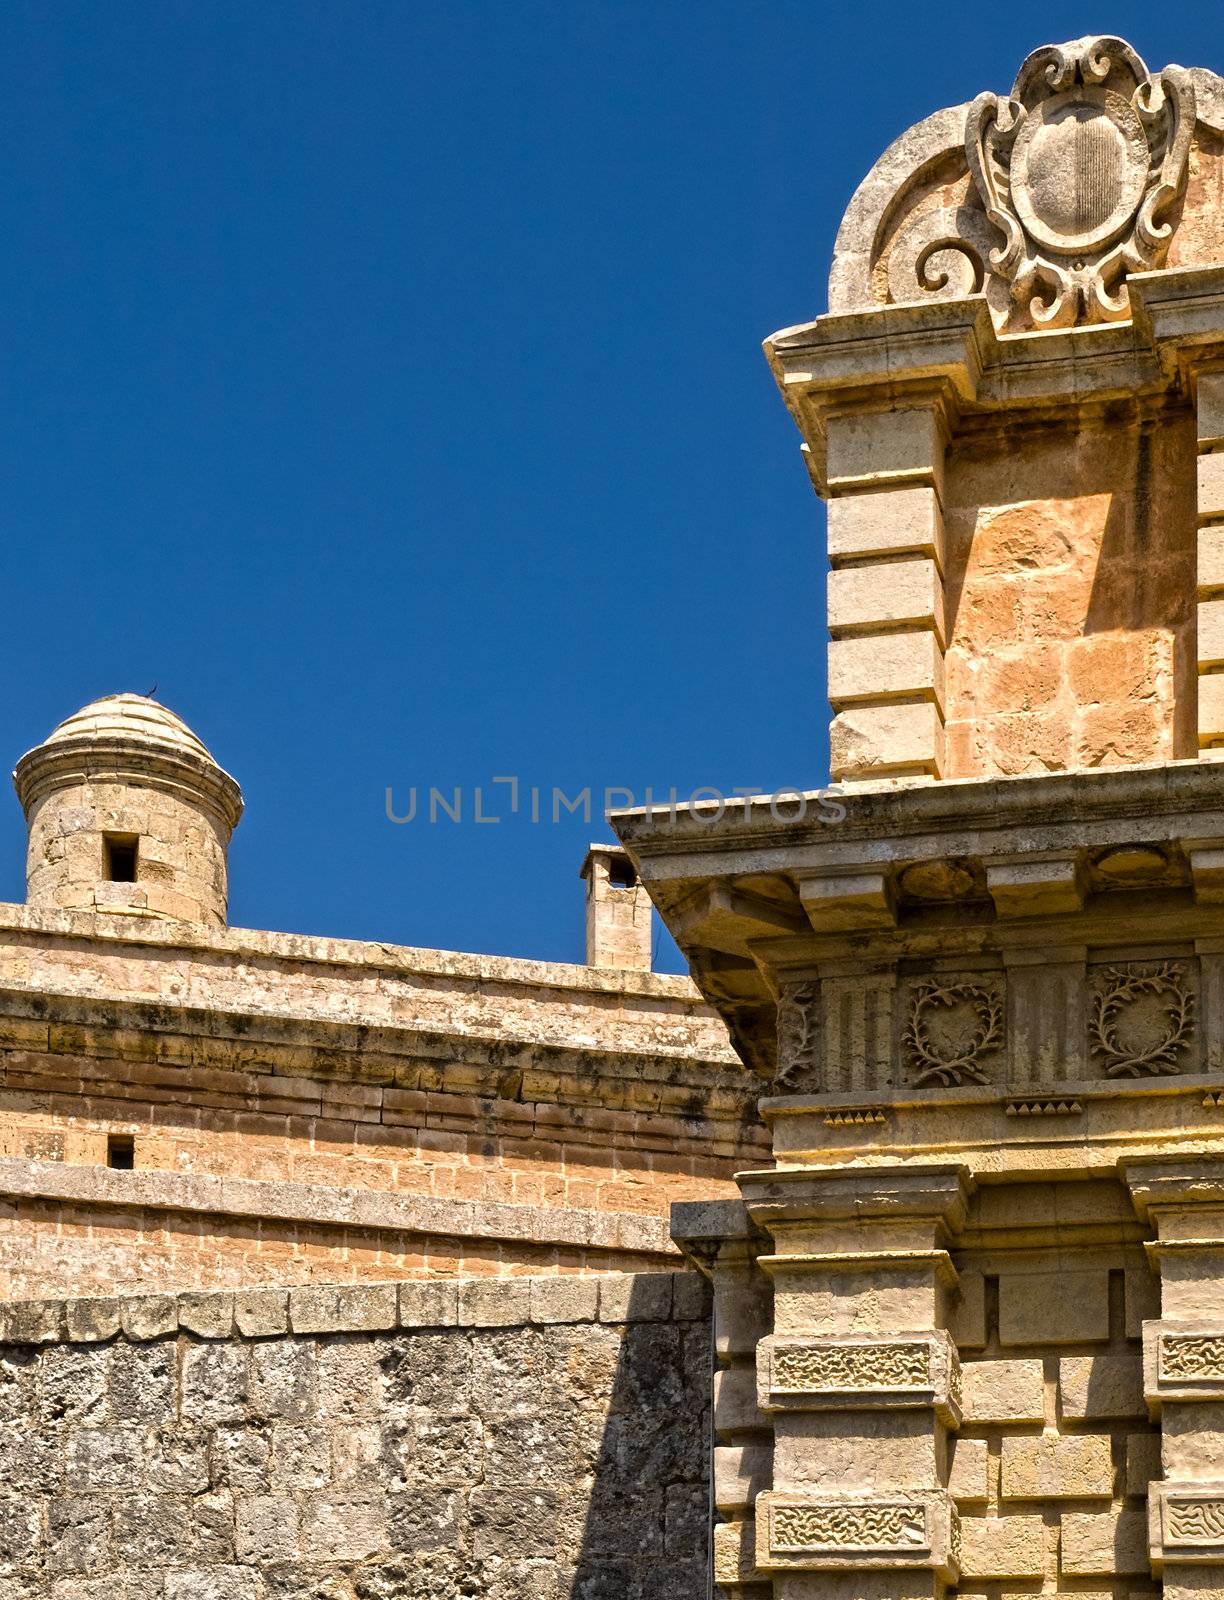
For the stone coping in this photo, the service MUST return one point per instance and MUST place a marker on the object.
(1163, 795)
(320, 1205)
(418, 961)
(456, 1303)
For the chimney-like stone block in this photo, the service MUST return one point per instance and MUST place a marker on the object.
(619, 920)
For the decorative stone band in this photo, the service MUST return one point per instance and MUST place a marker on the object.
(846, 1373)
(841, 1533)
(1182, 1362)
(1186, 1523)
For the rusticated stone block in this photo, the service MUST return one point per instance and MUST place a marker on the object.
(260, 1313)
(428, 1304)
(564, 1299)
(1002, 1547)
(209, 1316)
(1101, 1386)
(494, 1303)
(885, 667)
(1209, 408)
(1211, 630)
(886, 522)
(1104, 1543)
(880, 738)
(968, 1476)
(89, 1321)
(1003, 1391)
(149, 1316)
(1069, 1307)
(845, 1373)
(31, 1322)
(741, 1472)
(1211, 486)
(735, 1401)
(1210, 561)
(846, 1533)
(1211, 705)
(735, 1552)
(889, 594)
(1142, 1461)
(635, 1297)
(360, 1308)
(967, 1314)
(1074, 1468)
(874, 447)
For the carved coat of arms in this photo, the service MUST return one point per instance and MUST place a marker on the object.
(1078, 170)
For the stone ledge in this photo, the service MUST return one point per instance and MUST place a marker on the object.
(457, 1303)
(320, 1205)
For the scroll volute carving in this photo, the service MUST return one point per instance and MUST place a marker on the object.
(1078, 170)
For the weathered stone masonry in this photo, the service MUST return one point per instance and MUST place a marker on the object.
(508, 1441)
(968, 1324)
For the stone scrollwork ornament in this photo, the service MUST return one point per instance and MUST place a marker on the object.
(1078, 170)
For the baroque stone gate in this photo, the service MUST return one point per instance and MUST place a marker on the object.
(970, 1323)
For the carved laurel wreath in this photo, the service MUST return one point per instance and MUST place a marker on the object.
(960, 1064)
(1120, 988)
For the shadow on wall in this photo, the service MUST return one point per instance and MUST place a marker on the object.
(555, 1459)
(521, 1439)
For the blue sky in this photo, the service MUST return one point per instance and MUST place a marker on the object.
(383, 382)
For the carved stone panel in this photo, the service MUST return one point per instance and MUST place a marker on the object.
(1182, 1363)
(798, 1039)
(863, 1531)
(860, 1374)
(1141, 1019)
(1078, 170)
(953, 1030)
(1187, 1524)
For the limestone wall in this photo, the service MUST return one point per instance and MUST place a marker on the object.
(1070, 594)
(314, 1110)
(493, 1441)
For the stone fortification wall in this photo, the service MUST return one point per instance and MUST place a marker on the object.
(501, 1440)
(298, 1110)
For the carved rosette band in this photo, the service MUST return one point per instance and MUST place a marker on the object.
(859, 1374)
(868, 1531)
(1078, 170)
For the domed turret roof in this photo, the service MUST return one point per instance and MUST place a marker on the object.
(132, 739)
(131, 716)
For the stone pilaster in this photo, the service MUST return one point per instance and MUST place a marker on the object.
(721, 1240)
(1184, 1369)
(886, 601)
(1210, 417)
(860, 1378)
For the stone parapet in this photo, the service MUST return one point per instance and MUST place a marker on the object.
(359, 1308)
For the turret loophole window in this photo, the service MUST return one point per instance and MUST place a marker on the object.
(119, 857)
(621, 874)
(121, 1152)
